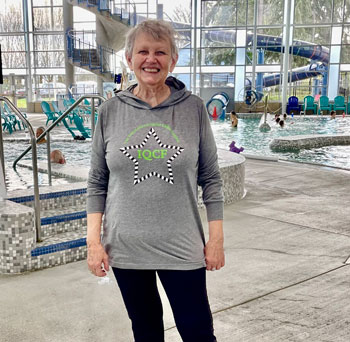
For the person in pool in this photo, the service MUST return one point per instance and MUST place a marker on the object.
(234, 119)
(56, 156)
(333, 114)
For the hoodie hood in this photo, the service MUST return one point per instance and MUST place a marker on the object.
(178, 93)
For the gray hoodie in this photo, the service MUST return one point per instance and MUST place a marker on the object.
(145, 166)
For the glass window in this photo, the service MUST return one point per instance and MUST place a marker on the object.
(346, 35)
(13, 60)
(217, 80)
(242, 7)
(345, 54)
(180, 13)
(11, 17)
(311, 12)
(338, 11)
(219, 13)
(41, 2)
(316, 35)
(44, 42)
(218, 56)
(218, 38)
(12, 43)
(270, 12)
(42, 19)
(58, 18)
(49, 59)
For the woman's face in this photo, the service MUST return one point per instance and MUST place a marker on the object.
(151, 60)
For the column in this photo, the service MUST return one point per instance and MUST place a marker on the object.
(68, 25)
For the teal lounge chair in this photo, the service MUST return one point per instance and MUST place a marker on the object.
(85, 132)
(71, 129)
(13, 117)
(51, 115)
(324, 104)
(309, 105)
(339, 104)
(5, 121)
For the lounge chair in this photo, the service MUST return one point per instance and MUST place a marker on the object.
(13, 117)
(339, 104)
(324, 104)
(293, 105)
(51, 115)
(6, 121)
(309, 105)
(85, 132)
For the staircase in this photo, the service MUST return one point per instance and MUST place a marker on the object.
(63, 225)
(95, 58)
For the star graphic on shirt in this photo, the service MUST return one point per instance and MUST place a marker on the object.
(138, 179)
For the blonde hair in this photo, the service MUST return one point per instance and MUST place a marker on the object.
(158, 29)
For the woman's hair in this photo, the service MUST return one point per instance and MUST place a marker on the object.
(233, 113)
(278, 120)
(281, 122)
(158, 29)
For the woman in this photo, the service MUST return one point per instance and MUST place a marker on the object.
(153, 144)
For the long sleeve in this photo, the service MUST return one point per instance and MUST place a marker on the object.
(97, 184)
(208, 170)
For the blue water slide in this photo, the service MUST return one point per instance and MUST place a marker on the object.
(317, 53)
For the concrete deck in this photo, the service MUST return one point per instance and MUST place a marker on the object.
(286, 277)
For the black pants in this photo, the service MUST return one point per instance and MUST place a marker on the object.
(187, 294)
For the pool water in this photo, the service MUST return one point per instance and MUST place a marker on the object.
(76, 153)
(248, 135)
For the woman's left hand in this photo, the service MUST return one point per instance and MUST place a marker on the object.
(214, 255)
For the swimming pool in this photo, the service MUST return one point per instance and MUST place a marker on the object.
(247, 134)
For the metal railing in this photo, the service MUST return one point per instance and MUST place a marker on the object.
(33, 141)
(47, 134)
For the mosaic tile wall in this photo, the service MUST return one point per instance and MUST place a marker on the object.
(17, 237)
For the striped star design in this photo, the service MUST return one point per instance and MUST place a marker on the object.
(137, 179)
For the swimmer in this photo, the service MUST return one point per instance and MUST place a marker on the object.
(281, 122)
(333, 114)
(234, 119)
(56, 156)
(40, 130)
(278, 120)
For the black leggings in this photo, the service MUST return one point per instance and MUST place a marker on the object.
(187, 294)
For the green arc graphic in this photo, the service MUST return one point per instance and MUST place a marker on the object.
(152, 125)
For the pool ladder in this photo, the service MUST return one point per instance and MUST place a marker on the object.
(33, 147)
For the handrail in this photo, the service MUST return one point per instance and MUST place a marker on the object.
(35, 165)
(64, 115)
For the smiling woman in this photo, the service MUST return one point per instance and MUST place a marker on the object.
(153, 144)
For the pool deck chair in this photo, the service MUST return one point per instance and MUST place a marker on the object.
(309, 105)
(324, 104)
(71, 129)
(13, 117)
(339, 104)
(51, 116)
(84, 131)
(293, 105)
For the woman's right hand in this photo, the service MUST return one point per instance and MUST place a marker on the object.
(97, 259)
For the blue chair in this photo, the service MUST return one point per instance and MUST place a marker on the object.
(293, 105)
